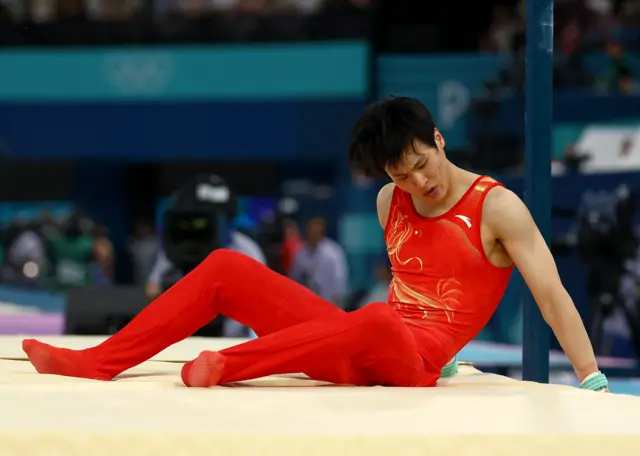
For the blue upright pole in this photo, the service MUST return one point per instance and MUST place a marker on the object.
(538, 150)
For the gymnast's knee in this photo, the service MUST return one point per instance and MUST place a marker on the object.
(381, 321)
(222, 262)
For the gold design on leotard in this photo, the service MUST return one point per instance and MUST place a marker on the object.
(399, 233)
(448, 291)
(484, 184)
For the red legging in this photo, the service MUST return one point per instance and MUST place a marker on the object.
(299, 331)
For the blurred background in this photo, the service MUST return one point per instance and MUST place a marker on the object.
(110, 107)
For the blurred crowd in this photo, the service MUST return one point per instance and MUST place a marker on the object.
(123, 10)
(596, 43)
(55, 253)
(580, 27)
(46, 252)
(54, 22)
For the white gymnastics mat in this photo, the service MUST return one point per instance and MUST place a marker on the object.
(147, 411)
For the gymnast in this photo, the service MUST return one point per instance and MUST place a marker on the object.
(453, 239)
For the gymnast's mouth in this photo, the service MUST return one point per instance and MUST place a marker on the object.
(432, 191)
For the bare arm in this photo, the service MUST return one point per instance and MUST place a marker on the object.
(512, 224)
(383, 203)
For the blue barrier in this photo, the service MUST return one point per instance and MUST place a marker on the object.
(448, 84)
(283, 102)
(576, 107)
(151, 131)
(291, 71)
(251, 102)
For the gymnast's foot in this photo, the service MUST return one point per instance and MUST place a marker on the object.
(59, 361)
(204, 371)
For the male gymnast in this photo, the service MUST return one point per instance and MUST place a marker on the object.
(452, 237)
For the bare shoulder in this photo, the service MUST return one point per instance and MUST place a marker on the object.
(503, 211)
(383, 203)
(500, 199)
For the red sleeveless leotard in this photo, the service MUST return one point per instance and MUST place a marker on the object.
(443, 285)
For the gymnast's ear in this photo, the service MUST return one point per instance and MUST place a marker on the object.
(439, 139)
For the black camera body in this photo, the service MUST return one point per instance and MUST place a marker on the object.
(198, 221)
(606, 226)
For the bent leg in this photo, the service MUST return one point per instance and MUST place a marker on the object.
(371, 346)
(225, 282)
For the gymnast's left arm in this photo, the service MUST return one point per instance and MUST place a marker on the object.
(513, 226)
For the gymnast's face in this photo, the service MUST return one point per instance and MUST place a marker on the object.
(421, 171)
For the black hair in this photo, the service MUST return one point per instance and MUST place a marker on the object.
(386, 130)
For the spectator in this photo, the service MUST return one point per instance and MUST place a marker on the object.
(379, 292)
(626, 83)
(73, 253)
(24, 259)
(113, 9)
(502, 31)
(321, 264)
(291, 245)
(144, 249)
(103, 256)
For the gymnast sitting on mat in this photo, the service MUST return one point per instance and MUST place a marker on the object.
(453, 238)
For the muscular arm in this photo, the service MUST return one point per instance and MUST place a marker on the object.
(512, 224)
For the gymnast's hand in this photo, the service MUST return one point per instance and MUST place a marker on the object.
(596, 382)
